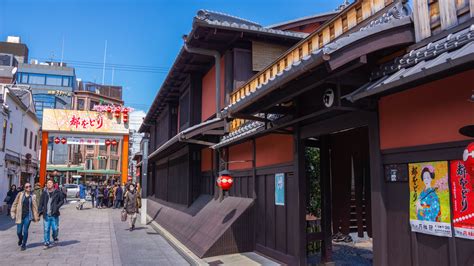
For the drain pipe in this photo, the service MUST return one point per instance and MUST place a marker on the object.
(217, 59)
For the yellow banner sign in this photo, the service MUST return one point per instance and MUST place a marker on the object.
(70, 121)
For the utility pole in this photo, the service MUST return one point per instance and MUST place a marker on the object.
(103, 68)
(144, 179)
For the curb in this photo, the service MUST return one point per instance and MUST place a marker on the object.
(187, 254)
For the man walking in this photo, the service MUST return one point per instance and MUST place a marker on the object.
(51, 201)
(24, 210)
(82, 196)
(132, 205)
(118, 196)
(93, 194)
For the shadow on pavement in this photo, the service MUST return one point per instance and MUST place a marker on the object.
(61, 243)
(6, 222)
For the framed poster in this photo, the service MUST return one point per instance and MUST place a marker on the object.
(463, 201)
(280, 189)
(430, 211)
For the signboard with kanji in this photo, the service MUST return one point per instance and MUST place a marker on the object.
(463, 201)
(58, 120)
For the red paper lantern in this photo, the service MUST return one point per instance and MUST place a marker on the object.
(125, 117)
(63, 140)
(468, 159)
(107, 142)
(57, 140)
(114, 142)
(225, 181)
(125, 110)
(117, 112)
(108, 109)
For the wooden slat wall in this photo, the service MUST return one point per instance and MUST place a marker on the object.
(353, 15)
(433, 16)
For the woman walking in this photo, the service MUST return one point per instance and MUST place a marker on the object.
(24, 210)
(11, 196)
(131, 205)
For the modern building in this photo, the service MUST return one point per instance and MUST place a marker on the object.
(8, 68)
(136, 120)
(19, 141)
(383, 95)
(14, 46)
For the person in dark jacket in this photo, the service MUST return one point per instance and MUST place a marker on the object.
(93, 193)
(11, 196)
(132, 205)
(51, 200)
(118, 196)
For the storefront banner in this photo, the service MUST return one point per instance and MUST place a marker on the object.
(429, 198)
(280, 189)
(73, 121)
(463, 201)
(86, 141)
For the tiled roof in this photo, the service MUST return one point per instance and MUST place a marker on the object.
(457, 48)
(228, 21)
(302, 19)
(395, 17)
(245, 130)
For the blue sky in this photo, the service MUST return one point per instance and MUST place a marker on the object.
(140, 32)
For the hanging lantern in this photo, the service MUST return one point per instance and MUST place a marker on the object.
(117, 112)
(57, 140)
(108, 109)
(107, 142)
(125, 118)
(63, 140)
(468, 159)
(225, 181)
(113, 142)
(125, 110)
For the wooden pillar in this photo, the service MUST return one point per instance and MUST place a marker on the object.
(300, 173)
(43, 158)
(378, 194)
(125, 159)
(326, 208)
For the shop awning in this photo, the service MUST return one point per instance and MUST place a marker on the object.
(194, 134)
(103, 172)
(64, 168)
(452, 54)
(12, 158)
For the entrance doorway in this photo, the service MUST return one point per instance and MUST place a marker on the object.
(339, 203)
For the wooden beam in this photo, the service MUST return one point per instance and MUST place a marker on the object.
(250, 117)
(326, 208)
(216, 132)
(200, 142)
(448, 14)
(421, 16)
(125, 159)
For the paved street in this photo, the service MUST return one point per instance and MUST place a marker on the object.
(88, 237)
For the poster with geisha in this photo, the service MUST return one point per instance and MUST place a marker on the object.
(463, 201)
(429, 198)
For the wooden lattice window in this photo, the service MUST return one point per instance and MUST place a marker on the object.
(286, 62)
(310, 46)
(435, 22)
(300, 52)
(359, 13)
(345, 25)
(462, 7)
(320, 40)
(332, 33)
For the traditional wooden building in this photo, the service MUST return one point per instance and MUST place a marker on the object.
(375, 87)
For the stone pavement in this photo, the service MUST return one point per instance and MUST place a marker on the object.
(88, 237)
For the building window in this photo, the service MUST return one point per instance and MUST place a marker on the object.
(89, 164)
(31, 140)
(90, 147)
(66, 81)
(36, 141)
(23, 78)
(80, 104)
(102, 164)
(25, 137)
(4, 137)
(11, 128)
(310, 47)
(300, 52)
(359, 13)
(320, 40)
(36, 79)
(93, 103)
(114, 148)
(54, 80)
(102, 148)
(332, 32)
(113, 164)
(345, 26)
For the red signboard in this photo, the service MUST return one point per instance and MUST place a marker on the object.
(463, 201)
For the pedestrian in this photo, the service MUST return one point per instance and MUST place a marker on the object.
(82, 196)
(132, 205)
(111, 196)
(118, 196)
(100, 196)
(51, 200)
(38, 191)
(24, 210)
(106, 196)
(93, 194)
(10, 198)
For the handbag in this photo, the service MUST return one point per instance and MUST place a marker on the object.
(7, 199)
(124, 216)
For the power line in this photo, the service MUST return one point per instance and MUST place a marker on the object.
(91, 63)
